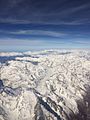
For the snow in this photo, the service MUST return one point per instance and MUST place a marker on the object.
(34, 79)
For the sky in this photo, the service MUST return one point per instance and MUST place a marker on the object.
(44, 24)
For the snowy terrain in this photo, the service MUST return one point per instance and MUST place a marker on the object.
(44, 85)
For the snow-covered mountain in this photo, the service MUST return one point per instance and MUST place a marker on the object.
(45, 85)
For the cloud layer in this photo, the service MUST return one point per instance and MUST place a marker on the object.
(66, 12)
(44, 23)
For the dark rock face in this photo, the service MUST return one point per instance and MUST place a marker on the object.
(39, 115)
(83, 107)
(47, 107)
(1, 86)
(12, 91)
(8, 90)
(1, 83)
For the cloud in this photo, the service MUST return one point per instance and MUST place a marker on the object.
(35, 32)
(85, 42)
(76, 21)
(14, 21)
(72, 10)
(62, 12)
(20, 42)
(11, 44)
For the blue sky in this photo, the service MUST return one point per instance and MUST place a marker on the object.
(44, 24)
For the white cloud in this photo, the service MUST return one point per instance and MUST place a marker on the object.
(82, 42)
(17, 42)
(36, 32)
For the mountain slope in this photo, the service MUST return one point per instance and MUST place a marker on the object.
(45, 85)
